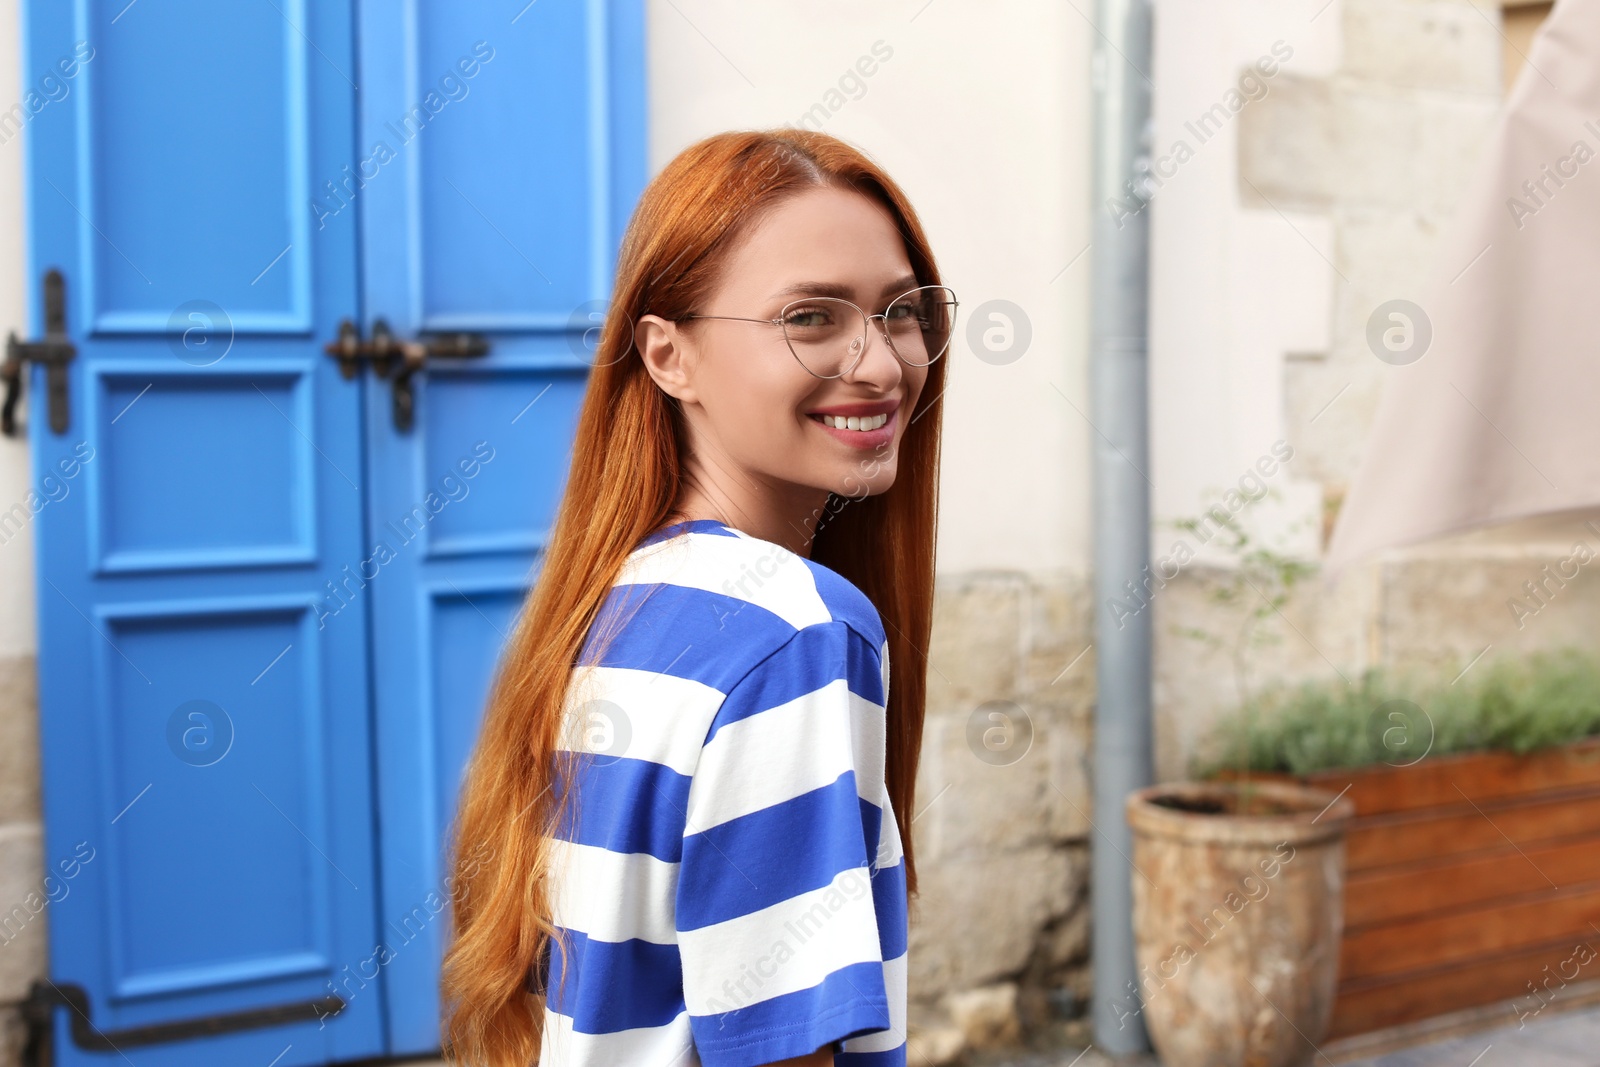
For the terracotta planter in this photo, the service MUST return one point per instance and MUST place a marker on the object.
(1473, 879)
(1237, 915)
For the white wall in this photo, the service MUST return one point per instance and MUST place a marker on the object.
(981, 113)
(1233, 288)
(16, 555)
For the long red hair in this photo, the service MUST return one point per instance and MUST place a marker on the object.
(623, 484)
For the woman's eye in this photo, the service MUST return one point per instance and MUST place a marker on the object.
(807, 317)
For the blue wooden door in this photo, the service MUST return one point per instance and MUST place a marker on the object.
(206, 731)
(511, 136)
(268, 613)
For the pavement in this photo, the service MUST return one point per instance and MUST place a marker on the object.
(1566, 1039)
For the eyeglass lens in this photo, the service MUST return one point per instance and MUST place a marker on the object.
(827, 335)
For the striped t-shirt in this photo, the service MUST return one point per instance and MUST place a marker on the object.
(733, 892)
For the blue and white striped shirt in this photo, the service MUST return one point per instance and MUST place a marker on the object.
(733, 891)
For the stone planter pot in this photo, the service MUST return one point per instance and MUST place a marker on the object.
(1237, 916)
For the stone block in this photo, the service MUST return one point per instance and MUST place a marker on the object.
(1057, 637)
(13, 1036)
(1404, 150)
(1068, 941)
(1446, 610)
(1327, 410)
(935, 1048)
(1373, 158)
(23, 908)
(971, 806)
(1193, 680)
(1287, 141)
(1069, 744)
(975, 650)
(1197, 683)
(1387, 254)
(19, 739)
(987, 1017)
(1429, 44)
(979, 916)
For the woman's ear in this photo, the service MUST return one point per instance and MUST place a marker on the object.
(668, 355)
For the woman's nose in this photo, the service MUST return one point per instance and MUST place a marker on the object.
(878, 361)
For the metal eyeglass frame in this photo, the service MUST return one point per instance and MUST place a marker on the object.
(882, 329)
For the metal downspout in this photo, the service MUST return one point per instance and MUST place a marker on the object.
(1118, 351)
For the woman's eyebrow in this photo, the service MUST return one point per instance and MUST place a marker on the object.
(844, 292)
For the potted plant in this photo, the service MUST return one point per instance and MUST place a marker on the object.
(1474, 852)
(1237, 918)
(1237, 891)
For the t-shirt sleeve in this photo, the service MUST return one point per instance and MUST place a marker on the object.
(777, 929)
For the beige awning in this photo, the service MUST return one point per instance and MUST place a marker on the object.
(1499, 418)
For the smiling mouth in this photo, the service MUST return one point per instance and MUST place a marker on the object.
(853, 422)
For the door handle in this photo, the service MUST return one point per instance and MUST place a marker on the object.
(400, 360)
(55, 351)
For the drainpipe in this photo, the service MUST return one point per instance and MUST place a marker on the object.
(1118, 351)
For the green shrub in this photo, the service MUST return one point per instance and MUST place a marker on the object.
(1398, 717)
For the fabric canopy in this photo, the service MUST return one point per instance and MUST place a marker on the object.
(1496, 416)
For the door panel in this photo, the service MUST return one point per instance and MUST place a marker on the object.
(513, 135)
(198, 206)
(250, 469)
(493, 250)
(204, 726)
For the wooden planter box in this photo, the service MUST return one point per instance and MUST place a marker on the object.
(1468, 876)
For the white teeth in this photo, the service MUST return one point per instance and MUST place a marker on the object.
(853, 422)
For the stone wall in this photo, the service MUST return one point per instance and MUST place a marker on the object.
(1451, 607)
(22, 895)
(1004, 799)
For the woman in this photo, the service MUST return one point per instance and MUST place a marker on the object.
(725, 647)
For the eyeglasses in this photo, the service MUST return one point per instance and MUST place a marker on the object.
(828, 334)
